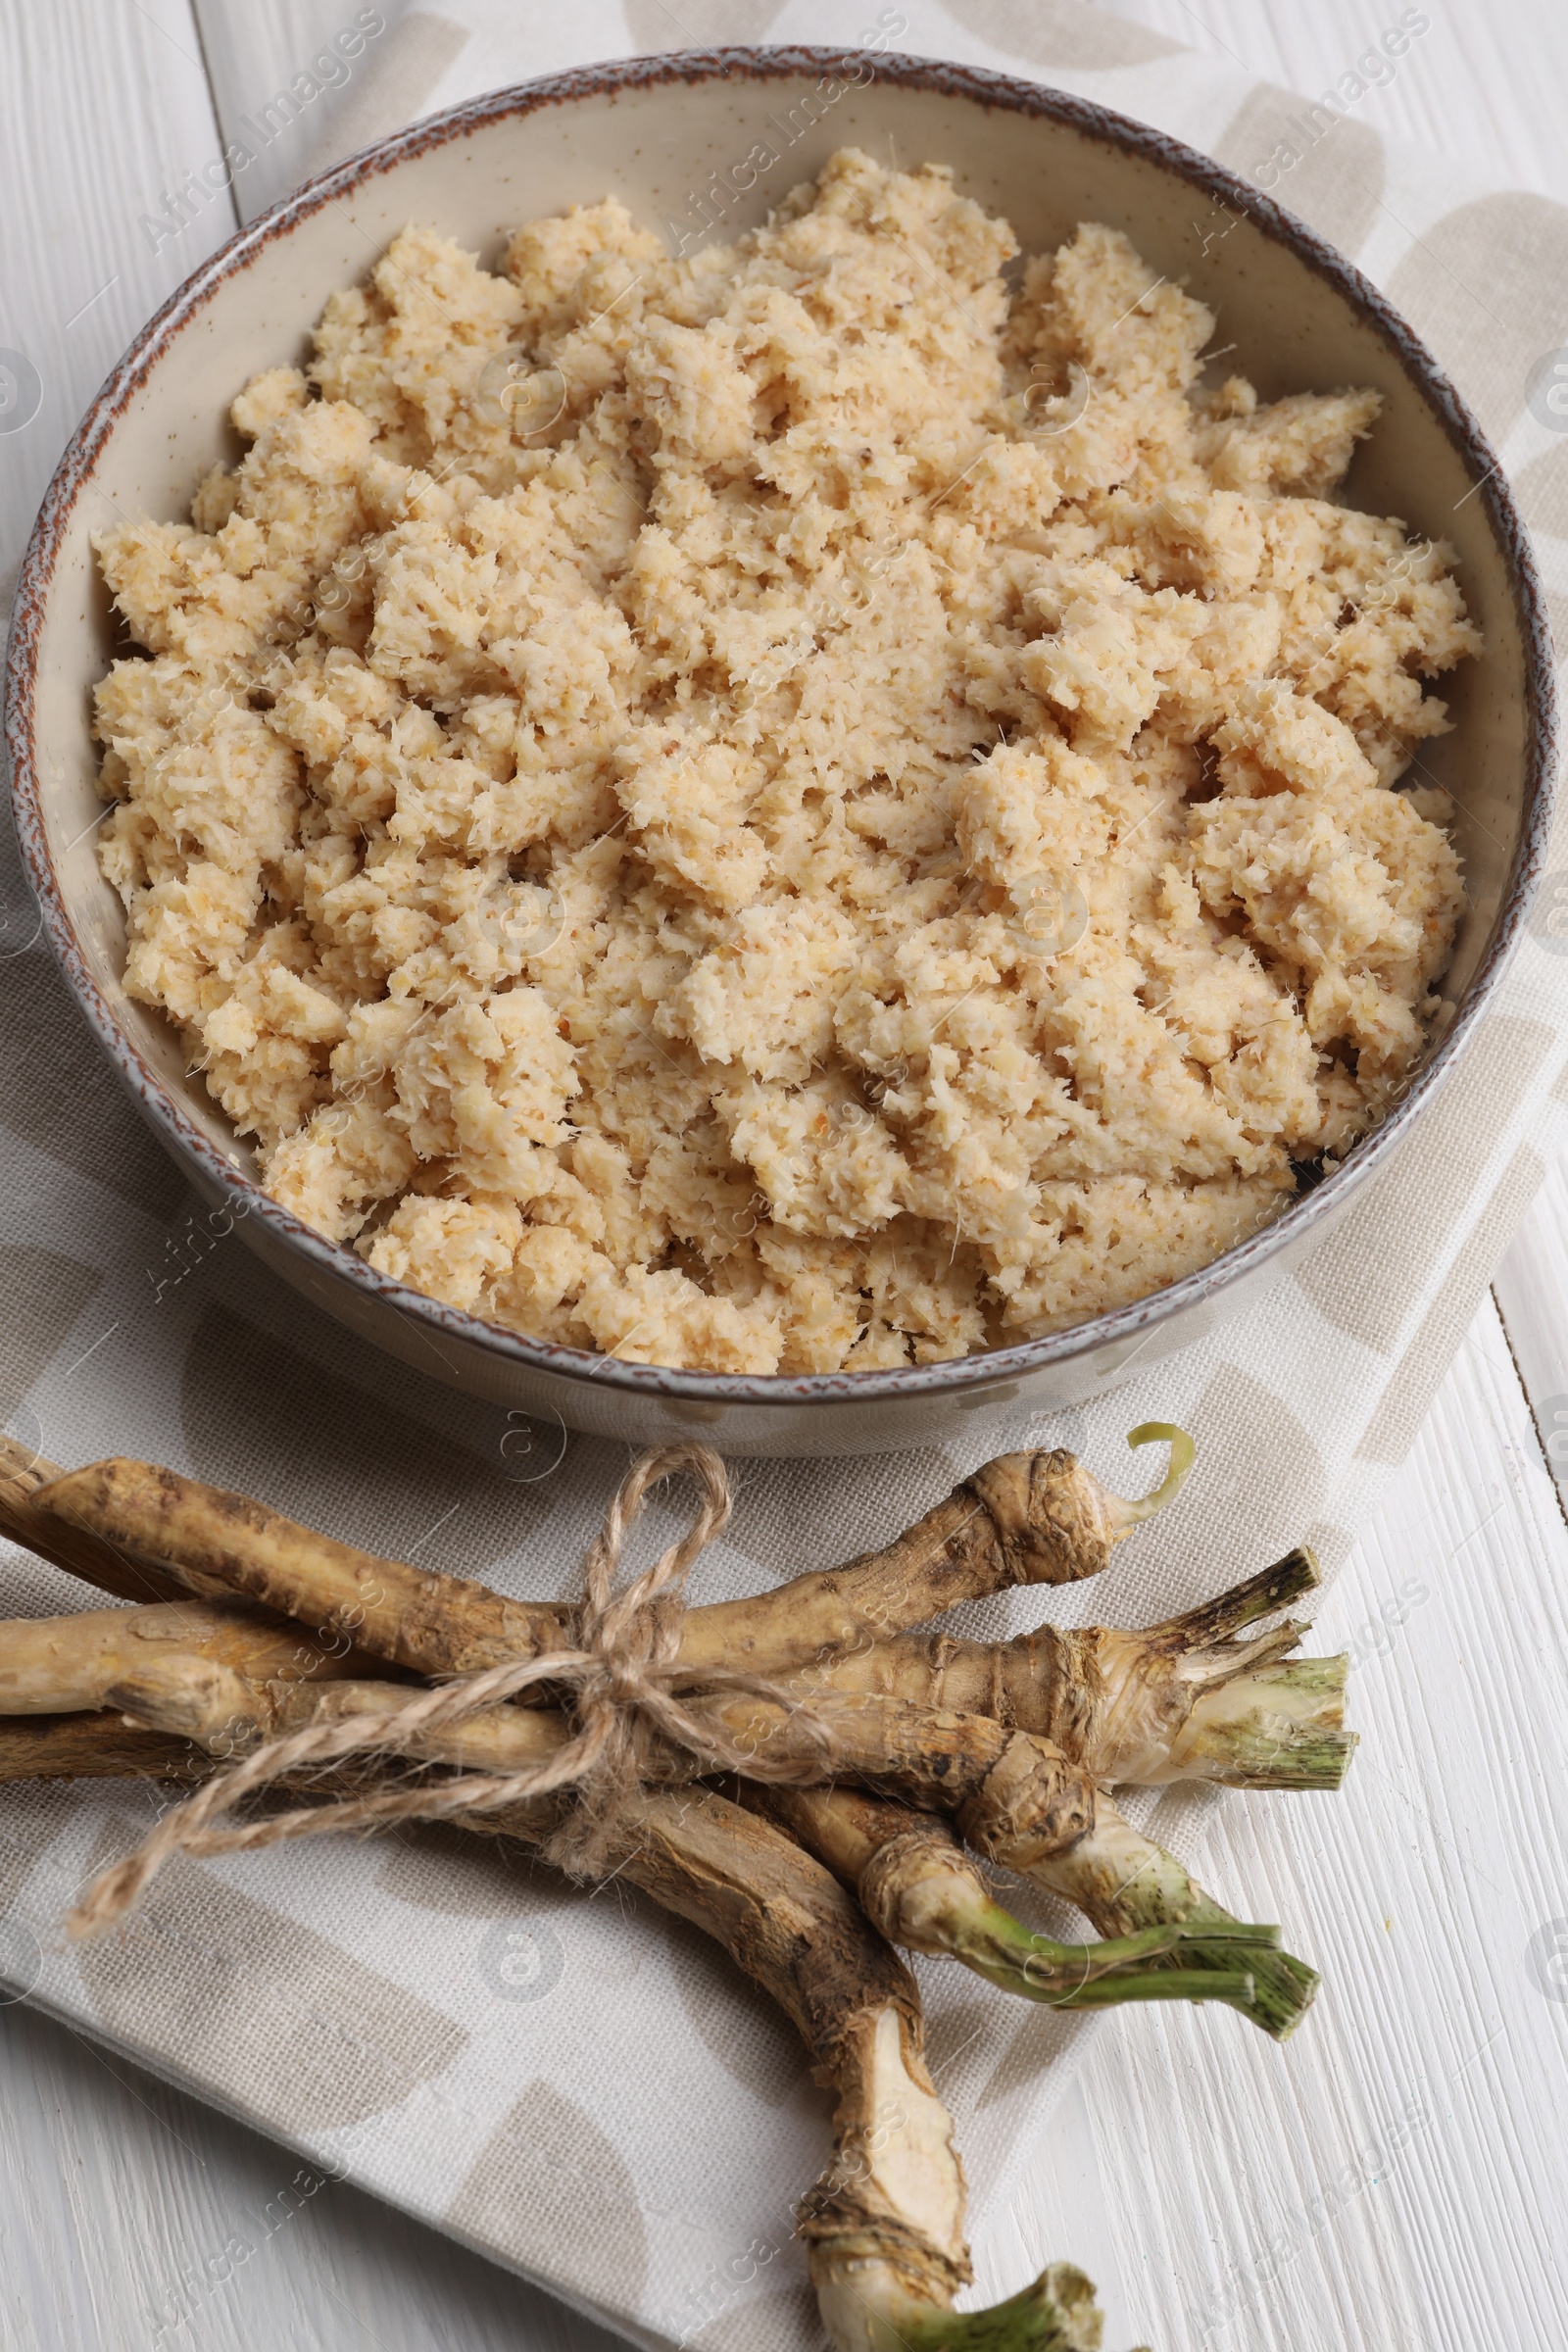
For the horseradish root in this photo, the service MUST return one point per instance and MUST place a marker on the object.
(179, 1666)
(1175, 1701)
(93, 1746)
(1123, 1881)
(1040, 1518)
(1024, 1518)
(222, 1544)
(75, 1550)
(917, 1884)
(884, 2225)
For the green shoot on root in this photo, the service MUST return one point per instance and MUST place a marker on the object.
(1182, 1450)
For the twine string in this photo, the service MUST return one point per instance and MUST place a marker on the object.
(625, 1683)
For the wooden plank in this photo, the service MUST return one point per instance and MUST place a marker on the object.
(1397, 2176)
(135, 2220)
(107, 114)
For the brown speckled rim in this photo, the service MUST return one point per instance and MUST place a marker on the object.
(765, 66)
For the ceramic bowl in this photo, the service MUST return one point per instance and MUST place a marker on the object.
(654, 132)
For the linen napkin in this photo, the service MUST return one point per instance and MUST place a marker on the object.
(575, 2085)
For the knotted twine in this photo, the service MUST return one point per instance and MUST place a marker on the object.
(626, 1681)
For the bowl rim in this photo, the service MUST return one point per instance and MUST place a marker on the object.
(1117, 1327)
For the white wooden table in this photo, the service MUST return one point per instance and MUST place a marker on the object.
(1397, 2180)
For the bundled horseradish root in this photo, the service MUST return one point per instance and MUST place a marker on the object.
(917, 1884)
(1022, 1519)
(1177, 1701)
(365, 1691)
(885, 2224)
(1278, 1727)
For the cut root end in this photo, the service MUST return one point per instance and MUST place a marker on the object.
(1283, 1986)
(1056, 2313)
(1280, 1728)
(1239, 1966)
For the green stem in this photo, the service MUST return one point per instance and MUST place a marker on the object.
(1097, 1976)
(1123, 1881)
(1283, 1986)
(1271, 1589)
(1056, 2313)
(1182, 1450)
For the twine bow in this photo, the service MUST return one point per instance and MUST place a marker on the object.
(625, 1680)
